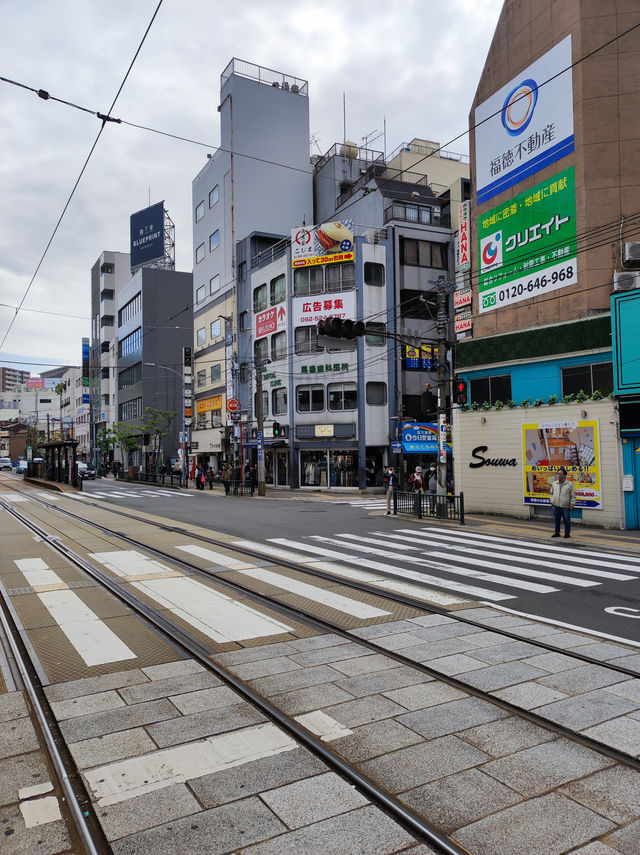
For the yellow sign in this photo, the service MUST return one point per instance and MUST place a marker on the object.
(324, 430)
(207, 404)
(548, 446)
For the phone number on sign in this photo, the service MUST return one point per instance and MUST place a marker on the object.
(312, 319)
(545, 280)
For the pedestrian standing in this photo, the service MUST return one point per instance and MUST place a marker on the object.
(253, 479)
(432, 488)
(210, 477)
(226, 478)
(563, 498)
(391, 486)
(416, 485)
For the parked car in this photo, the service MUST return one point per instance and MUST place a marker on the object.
(85, 470)
(5, 463)
(22, 467)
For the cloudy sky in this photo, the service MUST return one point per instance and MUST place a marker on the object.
(415, 62)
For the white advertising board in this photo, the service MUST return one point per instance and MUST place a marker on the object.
(310, 310)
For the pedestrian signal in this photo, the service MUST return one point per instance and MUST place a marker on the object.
(276, 429)
(461, 392)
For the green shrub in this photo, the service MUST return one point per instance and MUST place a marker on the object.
(553, 399)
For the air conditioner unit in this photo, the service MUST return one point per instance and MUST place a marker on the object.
(626, 280)
(632, 251)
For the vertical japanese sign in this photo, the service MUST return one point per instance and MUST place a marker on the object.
(85, 371)
(526, 125)
(527, 246)
(463, 236)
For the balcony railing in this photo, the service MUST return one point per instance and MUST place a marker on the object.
(268, 76)
(415, 148)
(350, 151)
(421, 216)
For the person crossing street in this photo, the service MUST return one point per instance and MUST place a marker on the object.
(563, 499)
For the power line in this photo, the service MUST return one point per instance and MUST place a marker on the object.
(105, 119)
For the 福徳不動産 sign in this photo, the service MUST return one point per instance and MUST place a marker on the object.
(527, 245)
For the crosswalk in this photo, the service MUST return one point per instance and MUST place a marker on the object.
(442, 566)
(129, 493)
(368, 504)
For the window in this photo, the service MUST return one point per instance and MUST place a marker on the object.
(261, 348)
(588, 378)
(376, 394)
(213, 196)
(104, 374)
(278, 345)
(278, 290)
(242, 273)
(215, 329)
(107, 294)
(260, 298)
(265, 402)
(129, 343)
(373, 273)
(214, 283)
(245, 374)
(199, 253)
(342, 396)
(129, 410)
(307, 281)
(106, 321)
(199, 211)
(214, 240)
(375, 333)
(201, 293)
(201, 336)
(216, 373)
(310, 399)
(307, 340)
(341, 277)
(130, 376)
(279, 401)
(201, 378)
(423, 253)
(243, 321)
(490, 389)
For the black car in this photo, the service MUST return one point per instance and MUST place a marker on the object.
(85, 470)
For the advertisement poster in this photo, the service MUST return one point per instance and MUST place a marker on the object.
(527, 246)
(271, 320)
(548, 446)
(526, 125)
(324, 244)
(147, 235)
(423, 438)
(310, 310)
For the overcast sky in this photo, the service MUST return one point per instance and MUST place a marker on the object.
(415, 62)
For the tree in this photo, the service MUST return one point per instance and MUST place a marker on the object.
(106, 441)
(157, 423)
(125, 436)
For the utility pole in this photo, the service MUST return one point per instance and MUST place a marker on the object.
(260, 420)
(442, 318)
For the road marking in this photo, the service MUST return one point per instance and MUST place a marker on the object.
(355, 608)
(217, 558)
(128, 562)
(40, 811)
(323, 725)
(126, 779)
(37, 573)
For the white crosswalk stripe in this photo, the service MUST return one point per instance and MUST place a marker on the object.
(370, 504)
(128, 494)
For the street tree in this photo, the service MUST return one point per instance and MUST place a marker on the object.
(126, 438)
(157, 423)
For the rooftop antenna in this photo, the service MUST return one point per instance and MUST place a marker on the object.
(149, 195)
(344, 117)
(314, 141)
(371, 137)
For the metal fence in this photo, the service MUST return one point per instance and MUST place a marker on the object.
(429, 505)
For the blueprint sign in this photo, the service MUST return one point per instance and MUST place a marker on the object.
(527, 246)
(526, 125)
(421, 438)
(147, 235)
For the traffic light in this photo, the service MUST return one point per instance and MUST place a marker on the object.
(460, 392)
(339, 328)
(276, 429)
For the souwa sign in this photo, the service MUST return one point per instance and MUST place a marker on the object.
(479, 461)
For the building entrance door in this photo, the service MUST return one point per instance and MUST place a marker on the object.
(632, 467)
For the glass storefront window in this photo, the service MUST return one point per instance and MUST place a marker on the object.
(328, 468)
(313, 468)
(343, 468)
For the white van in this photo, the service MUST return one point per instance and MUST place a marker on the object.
(5, 463)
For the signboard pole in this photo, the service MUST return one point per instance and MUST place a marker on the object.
(260, 420)
(443, 376)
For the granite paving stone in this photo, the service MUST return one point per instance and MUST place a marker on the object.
(499, 676)
(459, 663)
(383, 681)
(504, 621)
(364, 664)
(380, 630)
(478, 613)
(544, 767)
(622, 733)
(627, 839)
(602, 650)
(146, 811)
(565, 640)
(459, 799)
(367, 831)
(374, 739)
(450, 630)
(173, 669)
(264, 667)
(506, 736)
(400, 641)
(551, 662)
(437, 649)
(239, 782)
(596, 848)
(294, 680)
(17, 839)
(506, 652)
(410, 767)
(84, 727)
(329, 654)
(532, 630)
(630, 690)
(185, 728)
(12, 705)
(164, 688)
(87, 704)
(17, 737)
(450, 717)
(89, 685)
(632, 661)
(205, 699)
(424, 695)
(216, 831)
(582, 679)
(486, 638)
(111, 747)
(421, 849)
(253, 654)
(313, 799)
(362, 710)
(548, 825)
(310, 699)
(315, 642)
(23, 770)
(586, 710)
(432, 620)
(613, 792)
(528, 695)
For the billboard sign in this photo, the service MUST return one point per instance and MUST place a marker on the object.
(461, 298)
(85, 361)
(548, 446)
(310, 310)
(423, 438)
(270, 321)
(526, 125)
(324, 244)
(464, 214)
(35, 383)
(527, 246)
(147, 235)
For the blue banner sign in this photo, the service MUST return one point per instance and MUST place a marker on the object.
(421, 438)
(147, 235)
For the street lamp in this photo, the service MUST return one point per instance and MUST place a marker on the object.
(183, 479)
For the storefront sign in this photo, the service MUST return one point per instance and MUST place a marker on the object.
(324, 369)
(36, 383)
(464, 248)
(461, 298)
(323, 430)
(548, 446)
(527, 246)
(208, 404)
(463, 322)
(272, 320)
(423, 358)
(310, 310)
(422, 438)
(525, 125)
(479, 460)
(324, 244)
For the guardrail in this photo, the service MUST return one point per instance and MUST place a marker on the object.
(429, 505)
